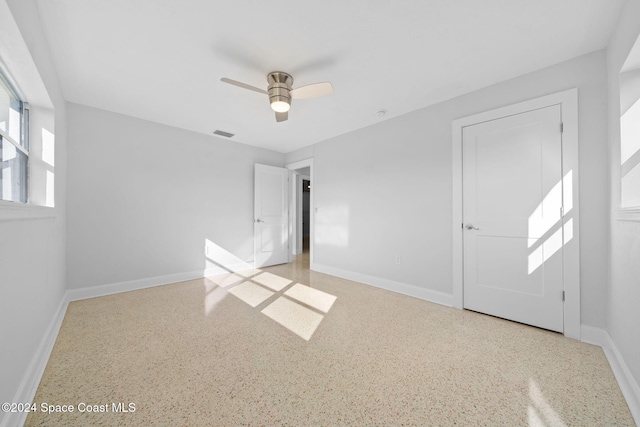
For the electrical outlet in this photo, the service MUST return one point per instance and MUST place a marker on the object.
(398, 259)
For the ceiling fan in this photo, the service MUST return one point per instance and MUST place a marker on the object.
(281, 93)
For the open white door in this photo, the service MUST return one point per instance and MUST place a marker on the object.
(271, 216)
(513, 218)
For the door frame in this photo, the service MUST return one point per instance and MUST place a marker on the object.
(293, 200)
(568, 101)
(299, 222)
(296, 209)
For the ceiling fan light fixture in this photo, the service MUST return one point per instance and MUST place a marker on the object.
(280, 106)
(281, 93)
(279, 88)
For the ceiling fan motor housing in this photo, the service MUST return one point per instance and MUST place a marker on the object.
(279, 87)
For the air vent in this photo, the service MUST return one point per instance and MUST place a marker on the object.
(223, 133)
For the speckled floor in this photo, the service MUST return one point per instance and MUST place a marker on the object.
(258, 349)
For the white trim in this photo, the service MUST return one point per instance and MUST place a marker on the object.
(297, 209)
(6, 137)
(291, 229)
(628, 384)
(31, 380)
(300, 164)
(14, 211)
(134, 285)
(627, 214)
(300, 210)
(390, 285)
(591, 335)
(568, 101)
(312, 218)
(296, 247)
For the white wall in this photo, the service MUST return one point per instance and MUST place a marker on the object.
(385, 190)
(32, 256)
(143, 197)
(629, 89)
(623, 322)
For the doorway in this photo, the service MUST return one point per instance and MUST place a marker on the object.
(302, 208)
(306, 213)
(512, 214)
(467, 234)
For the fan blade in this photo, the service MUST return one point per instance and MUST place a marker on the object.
(243, 85)
(312, 91)
(281, 117)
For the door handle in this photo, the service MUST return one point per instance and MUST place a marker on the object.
(471, 227)
(259, 220)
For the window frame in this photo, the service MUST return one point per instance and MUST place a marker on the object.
(622, 212)
(24, 144)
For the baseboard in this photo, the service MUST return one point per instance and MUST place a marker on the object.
(591, 335)
(628, 384)
(31, 380)
(134, 285)
(390, 285)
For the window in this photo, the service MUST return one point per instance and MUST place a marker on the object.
(630, 130)
(14, 144)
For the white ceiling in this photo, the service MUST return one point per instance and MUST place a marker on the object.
(162, 60)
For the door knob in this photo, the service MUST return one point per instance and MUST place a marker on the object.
(471, 227)
(259, 220)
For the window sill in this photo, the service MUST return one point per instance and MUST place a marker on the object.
(627, 214)
(11, 211)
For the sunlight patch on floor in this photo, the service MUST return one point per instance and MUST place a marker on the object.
(226, 279)
(312, 297)
(212, 298)
(251, 293)
(272, 281)
(298, 319)
(299, 311)
(297, 307)
(540, 413)
(249, 272)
